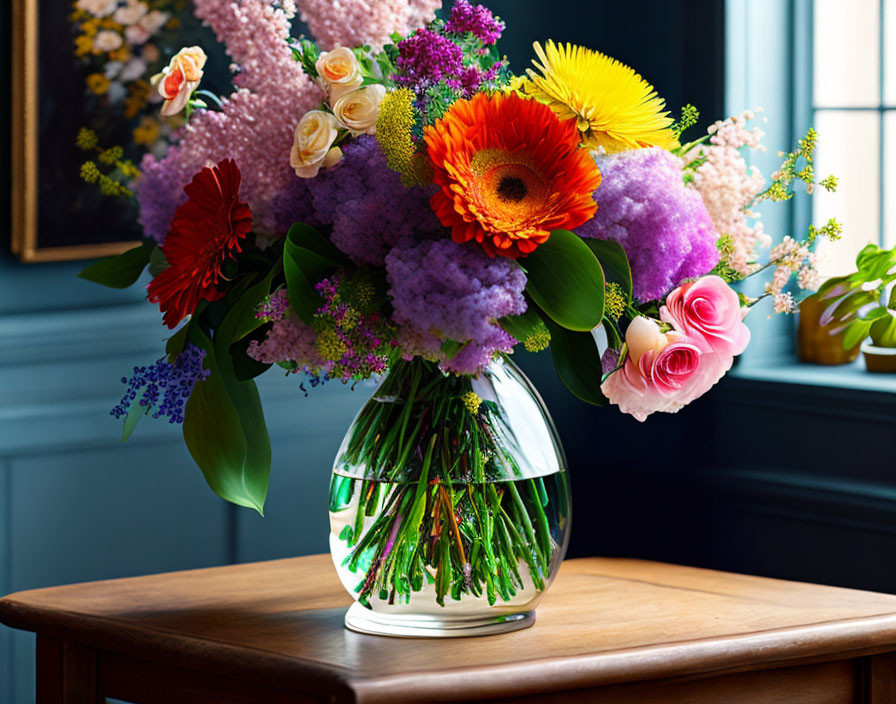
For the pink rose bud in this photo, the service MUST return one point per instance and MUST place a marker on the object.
(709, 312)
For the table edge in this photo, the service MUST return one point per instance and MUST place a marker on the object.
(873, 633)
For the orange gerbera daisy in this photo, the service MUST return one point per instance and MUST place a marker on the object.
(509, 171)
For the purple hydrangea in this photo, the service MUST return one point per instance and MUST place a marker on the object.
(478, 20)
(643, 204)
(442, 291)
(367, 205)
(165, 386)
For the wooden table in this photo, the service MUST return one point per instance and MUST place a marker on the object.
(609, 630)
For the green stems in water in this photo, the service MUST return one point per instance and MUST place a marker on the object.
(440, 497)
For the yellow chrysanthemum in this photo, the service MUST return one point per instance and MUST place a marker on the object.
(614, 107)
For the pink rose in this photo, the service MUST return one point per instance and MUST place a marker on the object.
(708, 311)
(663, 372)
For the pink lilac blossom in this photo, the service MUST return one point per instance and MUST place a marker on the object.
(643, 204)
(791, 257)
(254, 127)
(477, 20)
(728, 188)
(357, 22)
(442, 291)
(367, 206)
(289, 340)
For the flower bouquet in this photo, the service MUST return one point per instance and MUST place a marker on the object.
(392, 201)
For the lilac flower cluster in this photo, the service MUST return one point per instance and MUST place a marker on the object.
(271, 84)
(442, 291)
(288, 340)
(367, 205)
(428, 59)
(365, 22)
(274, 307)
(165, 386)
(477, 20)
(643, 204)
(353, 342)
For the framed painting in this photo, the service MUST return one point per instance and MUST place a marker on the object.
(84, 112)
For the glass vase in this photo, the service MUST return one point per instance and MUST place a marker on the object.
(449, 504)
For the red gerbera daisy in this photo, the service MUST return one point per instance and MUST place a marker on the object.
(206, 230)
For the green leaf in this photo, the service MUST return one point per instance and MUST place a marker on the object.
(305, 236)
(524, 325)
(135, 413)
(119, 271)
(176, 342)
(577, 361)
(856, 332)
(614, 261)
(157, 262)
(225, 431)
(302, 296)
(566, 281)
(240, 320)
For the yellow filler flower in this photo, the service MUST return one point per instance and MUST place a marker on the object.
(614, 107)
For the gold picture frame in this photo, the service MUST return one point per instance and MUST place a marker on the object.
(25, 149)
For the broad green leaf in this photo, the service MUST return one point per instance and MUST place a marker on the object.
(856, 332)
(157, 262)
(302, 296)
(524, 325)
(566, 281)
(176, 342)
(240, 320)
(225, 431)
(305, 236)
(577, 361)
(121, 270)
(135, 413)
(614, 261)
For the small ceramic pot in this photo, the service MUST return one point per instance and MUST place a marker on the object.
(814, 343)
(879, 359)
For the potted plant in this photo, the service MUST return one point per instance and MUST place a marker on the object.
(862, 306)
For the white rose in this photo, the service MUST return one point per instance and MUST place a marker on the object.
(359, 109)
(133, 69)
(97, 8)
(136, 35)
(339, 71)
(107, 40)
(153, 21)
(130, 13)
(312, 145)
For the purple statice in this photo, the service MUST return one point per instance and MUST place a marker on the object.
(442, 291)
(366, 204)
(164, 386)
(477, 20)
(425, 59)
(643, 204)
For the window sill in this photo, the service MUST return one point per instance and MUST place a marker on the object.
(791, 371)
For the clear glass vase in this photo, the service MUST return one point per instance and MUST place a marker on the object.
(449, 504)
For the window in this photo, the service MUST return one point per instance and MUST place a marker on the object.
(854, 110)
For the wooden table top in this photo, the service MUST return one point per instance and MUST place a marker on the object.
(604, 621)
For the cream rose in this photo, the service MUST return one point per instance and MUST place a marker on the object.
(339, 71)
(312, 145)
(179, 79)
(107, 40)
(358, 109)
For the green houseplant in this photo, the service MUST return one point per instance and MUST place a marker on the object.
(862, 306)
